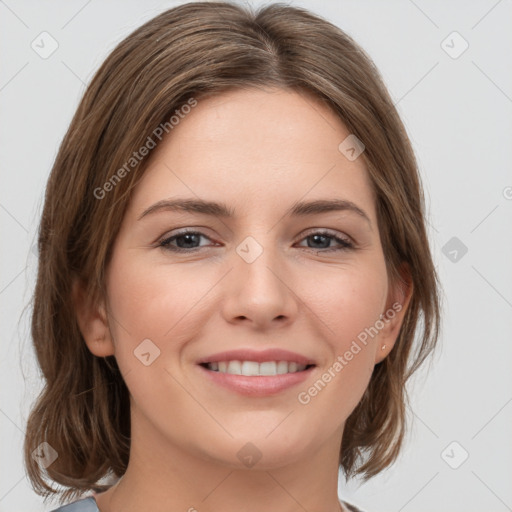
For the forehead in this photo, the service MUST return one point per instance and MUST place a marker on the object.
(255, 148)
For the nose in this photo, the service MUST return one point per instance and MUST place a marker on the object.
(259, 292)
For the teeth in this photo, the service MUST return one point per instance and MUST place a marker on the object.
(268, 368)
(248, 368)
(234, 367)
(282, 367)
(252, 368)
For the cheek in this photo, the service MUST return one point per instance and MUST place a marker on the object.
(150, 305)
(347, 300)
(148, 302)
(348, 303)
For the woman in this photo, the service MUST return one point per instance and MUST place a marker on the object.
(198, 347)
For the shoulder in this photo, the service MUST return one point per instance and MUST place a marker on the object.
(350, 507)
(82, 505)
(89, 505)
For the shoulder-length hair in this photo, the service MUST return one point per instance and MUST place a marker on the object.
(193, 51)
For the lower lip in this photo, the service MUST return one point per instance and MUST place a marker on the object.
(265, 385)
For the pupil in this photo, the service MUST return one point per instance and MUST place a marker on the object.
(187, 236)
(315, 237)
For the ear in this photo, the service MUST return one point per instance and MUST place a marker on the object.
(399, 297)
(92, 320)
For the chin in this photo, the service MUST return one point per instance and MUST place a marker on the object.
(258, 452)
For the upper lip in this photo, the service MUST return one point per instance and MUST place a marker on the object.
(274, 354)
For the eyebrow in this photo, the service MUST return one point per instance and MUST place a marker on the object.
(298, 209)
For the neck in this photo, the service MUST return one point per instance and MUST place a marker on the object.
(163, 476)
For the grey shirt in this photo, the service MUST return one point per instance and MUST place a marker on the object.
(89, 505)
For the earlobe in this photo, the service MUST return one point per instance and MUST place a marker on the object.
(92, 321)
(399, 297)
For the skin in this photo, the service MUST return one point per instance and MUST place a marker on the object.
(258, 151)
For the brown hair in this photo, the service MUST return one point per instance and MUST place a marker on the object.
(191, 51)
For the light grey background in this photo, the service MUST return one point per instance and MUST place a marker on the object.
(458, 112)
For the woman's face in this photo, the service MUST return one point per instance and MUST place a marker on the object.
(263, 278)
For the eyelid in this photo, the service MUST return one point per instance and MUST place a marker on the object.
(344, 241)
(327, 231)
(313, 230)
(182, 232)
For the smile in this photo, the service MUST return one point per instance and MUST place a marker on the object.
(253, 368)
(251, 379)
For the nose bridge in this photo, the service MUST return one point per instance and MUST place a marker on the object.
(258, 287)
(258, 262)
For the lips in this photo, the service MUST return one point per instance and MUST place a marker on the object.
(273, 354)
(257, 385)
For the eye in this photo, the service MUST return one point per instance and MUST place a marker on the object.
(187, 241)
(323, 237)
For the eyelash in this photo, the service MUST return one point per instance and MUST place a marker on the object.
(345, 243)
